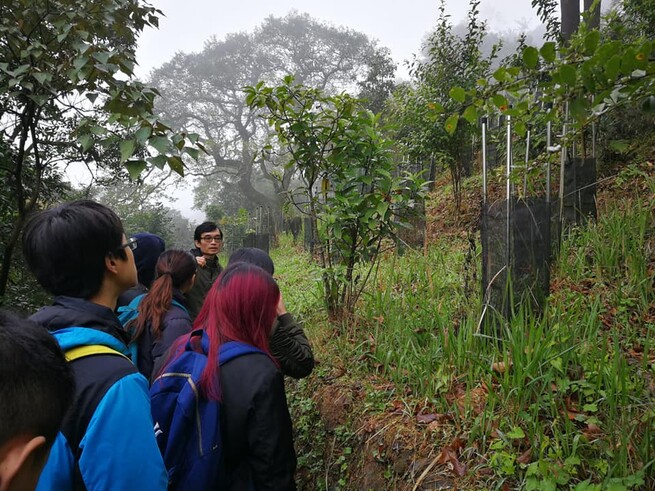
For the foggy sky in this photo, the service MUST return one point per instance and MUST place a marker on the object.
(399, 25)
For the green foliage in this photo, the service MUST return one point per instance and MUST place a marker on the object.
(336, 144)
(204, 91)
(67, 94)
(453, 65)
(580, 81)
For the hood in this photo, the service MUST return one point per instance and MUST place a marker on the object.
(149, 247)
(77, 322)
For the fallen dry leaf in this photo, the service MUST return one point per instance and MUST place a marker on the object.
(525, 457)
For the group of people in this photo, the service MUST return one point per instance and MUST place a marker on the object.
(75, 383)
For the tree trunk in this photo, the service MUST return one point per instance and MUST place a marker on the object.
(570, 10)
(594, 16)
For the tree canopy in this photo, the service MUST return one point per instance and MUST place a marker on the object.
(204, 91)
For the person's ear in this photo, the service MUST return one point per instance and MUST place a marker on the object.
(111, 264)
(21, 462)
(189, 284)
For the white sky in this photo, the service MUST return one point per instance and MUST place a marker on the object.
(398, 25)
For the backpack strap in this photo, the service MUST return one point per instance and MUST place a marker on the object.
(90, 350)
(178, 304)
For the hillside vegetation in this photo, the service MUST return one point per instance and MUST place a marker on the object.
(414, 393)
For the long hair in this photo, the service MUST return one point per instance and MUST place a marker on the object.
(174, 268)
(240, 306)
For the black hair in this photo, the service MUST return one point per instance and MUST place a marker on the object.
(174, 268)
(66, 246)
(254, 256)
(36, 382)
(205, 227)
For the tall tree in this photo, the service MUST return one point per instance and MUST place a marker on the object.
(204, 91)
(67, 95)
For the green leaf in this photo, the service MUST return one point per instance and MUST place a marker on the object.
(142, 134)
(451, 123)
(500, 74)
(127, 149)
(135, 168)
(649, 104)
(42, 77)
(628, 62)
(160, 143)
(458, 94)
(579, 108)
(176, 164)
(591, 41)
(471, 114)
(500, 101)
(548, 51)
(192, 152)
(612, 67)
(86, 141)
(568, 74)
(516, 433)
(530, 57)
(382, 208)
(158, 161)
(78, 63)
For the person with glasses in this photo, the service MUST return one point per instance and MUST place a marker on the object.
(208, 239)
(79, 253)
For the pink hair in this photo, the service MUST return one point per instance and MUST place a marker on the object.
(240, 306)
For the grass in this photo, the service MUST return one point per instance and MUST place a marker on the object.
(565, 400)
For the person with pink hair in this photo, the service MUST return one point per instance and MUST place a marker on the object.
(255, 423)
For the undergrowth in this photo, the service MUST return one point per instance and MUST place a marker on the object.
(564, 400)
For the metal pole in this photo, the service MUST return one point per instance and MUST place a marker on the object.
(562, 164)
(484, 160)
(509, 192)
(527, 159)
(548, 143)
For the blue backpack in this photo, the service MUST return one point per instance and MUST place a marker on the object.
(129, 312)
(187, 426)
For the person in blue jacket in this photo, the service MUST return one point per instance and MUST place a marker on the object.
(79, 253)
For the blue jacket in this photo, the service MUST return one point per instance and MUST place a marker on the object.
(107, 441)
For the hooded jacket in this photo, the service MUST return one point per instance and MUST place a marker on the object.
(205, 278)
(107, 440)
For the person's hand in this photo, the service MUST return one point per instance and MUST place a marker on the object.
(281, 309)
(202, 262)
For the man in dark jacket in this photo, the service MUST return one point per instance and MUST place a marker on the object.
(208, 239)
(288, 342)
(79, 253)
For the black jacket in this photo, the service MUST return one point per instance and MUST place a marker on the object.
(205, 278)
(128, 295)
(290, 347)
(256, 426)
(152, 353)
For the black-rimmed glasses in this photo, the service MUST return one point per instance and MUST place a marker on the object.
(131, 243)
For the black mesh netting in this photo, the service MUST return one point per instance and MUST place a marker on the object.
(525, 256)
(579, 202)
